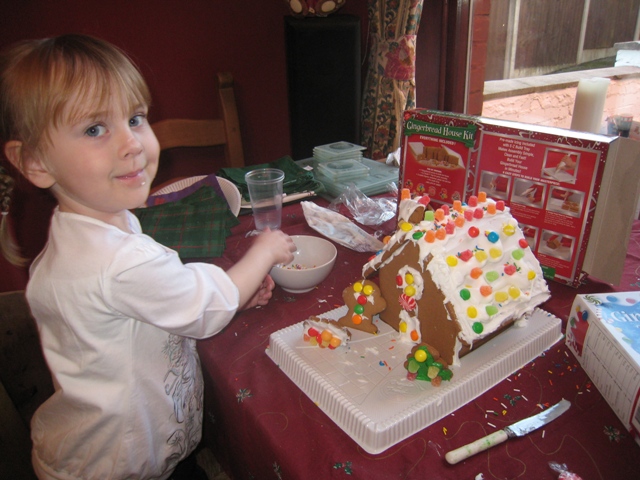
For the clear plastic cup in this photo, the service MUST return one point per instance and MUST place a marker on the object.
(265, 192)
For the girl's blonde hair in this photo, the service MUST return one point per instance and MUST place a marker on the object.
(39, 79)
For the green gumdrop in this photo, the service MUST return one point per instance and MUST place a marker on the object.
(492, 276)
(491, 310)
(518, 253)
(429, 216)
(413, 366)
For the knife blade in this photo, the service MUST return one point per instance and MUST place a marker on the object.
(518, 429)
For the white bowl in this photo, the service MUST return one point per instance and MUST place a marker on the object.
(312, 262)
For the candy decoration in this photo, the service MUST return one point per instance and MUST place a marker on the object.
(493, 237)
(465, 294)
(514, 292)
(510, 269)
(473, 201)
(362, 300)
(457, 205)
(518, 254)
(491, 209)
(410, 290)
(472, 312)
(399, 280)
(367, 290)
(495, 253)
(405, 194)
(491, 310)
(450, 228)
(473, 231)
(531, 275)
(459, 221)
(430, 236)
(491, 276)
(439, 214)
(357, 287)
(468, 215)
(386, 239)
(409, 278)
(441, 234)
(523, 243)
(478, 213)
(415, 335)
(500, 205)
(466, 255)
(452, 260)
(407, 302)
(424, 200)
(475, 272)
(508, 229)
(501, 297)
(403, 327)
(356, 319)
(359, 309)
(485, 290)
(420, 355)
(405, 226)
(445, 209)
(477, 327)
(481, 256)
(482, 196)
(335, 342)
(429, 216)
(418, 235)
(312, 332)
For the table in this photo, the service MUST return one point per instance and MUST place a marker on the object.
(261, 425)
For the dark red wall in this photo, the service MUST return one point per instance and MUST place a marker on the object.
(180, 45)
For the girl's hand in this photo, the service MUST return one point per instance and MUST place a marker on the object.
(263, 295)
(276, 244)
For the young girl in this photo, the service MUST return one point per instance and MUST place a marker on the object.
(117, 312)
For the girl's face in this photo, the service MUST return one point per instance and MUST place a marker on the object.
(102, 163)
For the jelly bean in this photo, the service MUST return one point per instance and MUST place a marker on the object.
(478, 213)
(399, 280)
(465, 255)
(510, 269)
(492, 276)
(357, 287)
(531, 275)
(452, 260)
(459, 221)
(313, 332)
(481, 256)
(468, 215)
(473, 201)
(418, 235)
(424, 200)
(429, 216)
(439, 214)
(477, 327)
(501, 297)
(523, 243)
(473, 231)
(450, 228)
(359, 309)
(517, 254)
(362, 299)
(415, 336)
(476, 272)
(405, 226)
(402, 327)
(514, 292)
(420, 355)
(441, 234)
(472, 312)
(491, 310)
(367, 290)
(509, 229)
(465, 294)
(482, 196)
(500, 205)
(356, 319)
(409, 278)
(493, 237)
(495, 252)
(491, 209)
(485, 290)
(430, 236)
(457, 205)
(335, 342)
(405, 194)
(410, 290)
(326, 335)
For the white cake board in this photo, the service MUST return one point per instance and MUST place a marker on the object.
(363, 387)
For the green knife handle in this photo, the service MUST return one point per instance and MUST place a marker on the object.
(480, 445)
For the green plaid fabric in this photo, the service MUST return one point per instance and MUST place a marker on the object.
(196, 226)
(296, 178)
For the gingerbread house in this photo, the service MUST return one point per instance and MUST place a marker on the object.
(455, 277)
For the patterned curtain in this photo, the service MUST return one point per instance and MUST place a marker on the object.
(390, 81)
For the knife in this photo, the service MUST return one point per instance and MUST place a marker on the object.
(518, 429)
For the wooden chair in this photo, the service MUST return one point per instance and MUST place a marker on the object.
(225, 131)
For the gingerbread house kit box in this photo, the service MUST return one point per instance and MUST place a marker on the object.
(561, 185)
(604, 334)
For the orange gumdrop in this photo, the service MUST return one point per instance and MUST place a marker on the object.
(430, 236)
(459, 221)
(485, 290)
(482, 196)
(441, 234)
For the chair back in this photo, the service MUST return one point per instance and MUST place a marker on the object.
(173, 132)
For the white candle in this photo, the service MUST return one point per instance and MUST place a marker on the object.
(589, 105)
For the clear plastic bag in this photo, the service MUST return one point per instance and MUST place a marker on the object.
(339, 228)
(366, 210)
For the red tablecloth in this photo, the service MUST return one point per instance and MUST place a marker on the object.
(261, 425)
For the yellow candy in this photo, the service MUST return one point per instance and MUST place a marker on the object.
(367, 290)
(481, 255)
(408, 278)
(357, 287)
(495, 252)
(452, 260)
(405, 226)
(472, 312)
(514, 292)
(531, 275)
(501, 297)
(509, 230)
(403, 327)
(410, 290)
(420, 355)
